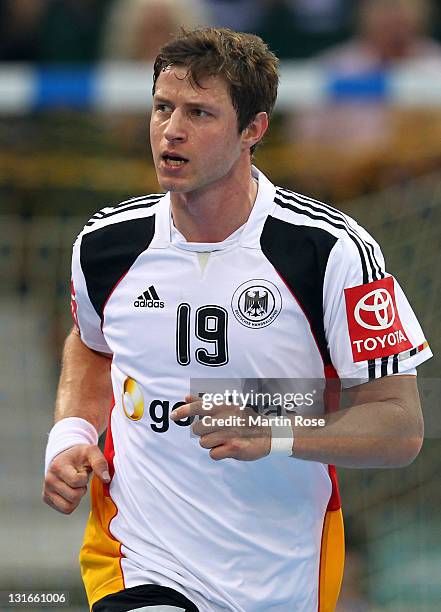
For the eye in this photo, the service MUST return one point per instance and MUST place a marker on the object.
(199, 112)
(163, 108)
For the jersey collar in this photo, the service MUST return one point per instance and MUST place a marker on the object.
(263, 206)
(250, 237)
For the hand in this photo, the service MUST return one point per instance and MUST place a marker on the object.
(68, 474)
(240, 440)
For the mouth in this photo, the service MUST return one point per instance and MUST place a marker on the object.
(173, 160)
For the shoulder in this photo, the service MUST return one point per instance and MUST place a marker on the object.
(116, 235)
(299, 209)
(110, 242)
(328, 229)
(134, 208)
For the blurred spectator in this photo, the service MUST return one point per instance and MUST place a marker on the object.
(301, 28)
(19, 29)
(346, 145)
(136, 29)
(320, 15)
(390, 32)
(50, 30)
(241, 15)
(70, 30)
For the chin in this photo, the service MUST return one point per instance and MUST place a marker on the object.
(174, 186)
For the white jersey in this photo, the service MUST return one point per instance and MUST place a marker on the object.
(299, 293)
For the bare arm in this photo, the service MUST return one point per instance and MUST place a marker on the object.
(85, 391)
(85, 388)
(383, 427)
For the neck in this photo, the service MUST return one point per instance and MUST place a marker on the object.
(214, 213)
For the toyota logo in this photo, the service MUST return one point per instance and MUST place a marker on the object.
(379, 308)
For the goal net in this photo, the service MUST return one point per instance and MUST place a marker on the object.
(393, 518)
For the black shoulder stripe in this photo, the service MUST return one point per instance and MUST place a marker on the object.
(150, 196)
(321, 206)
(355, 239)
(107, 253)
(126, 204)
(336, 216)
(333, 215)
(300, 255)
(117, 211)
(97, 215)
(92, 221)
(317, 217)
(384, 364)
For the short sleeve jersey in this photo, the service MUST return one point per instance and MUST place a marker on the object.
(301, 294)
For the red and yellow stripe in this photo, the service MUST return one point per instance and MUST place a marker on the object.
(100, 554)
(332, 554)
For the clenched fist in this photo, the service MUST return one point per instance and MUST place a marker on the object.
(68, 474)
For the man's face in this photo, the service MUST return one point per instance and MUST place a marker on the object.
(193, 132)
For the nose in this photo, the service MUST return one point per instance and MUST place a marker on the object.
(175, 128)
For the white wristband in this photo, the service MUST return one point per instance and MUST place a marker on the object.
(282, 439)
(67, 433)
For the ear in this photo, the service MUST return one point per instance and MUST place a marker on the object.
(255, 130)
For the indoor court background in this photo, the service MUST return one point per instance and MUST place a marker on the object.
(74, 138)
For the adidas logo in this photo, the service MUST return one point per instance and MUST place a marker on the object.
(149, 299)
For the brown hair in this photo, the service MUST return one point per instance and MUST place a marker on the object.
(243, 60)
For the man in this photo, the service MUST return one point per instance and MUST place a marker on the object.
(388, 33)
(223, 277)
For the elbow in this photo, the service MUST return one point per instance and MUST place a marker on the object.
(408, 445)
(409, 451)
(414, 443)
(403, 450)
